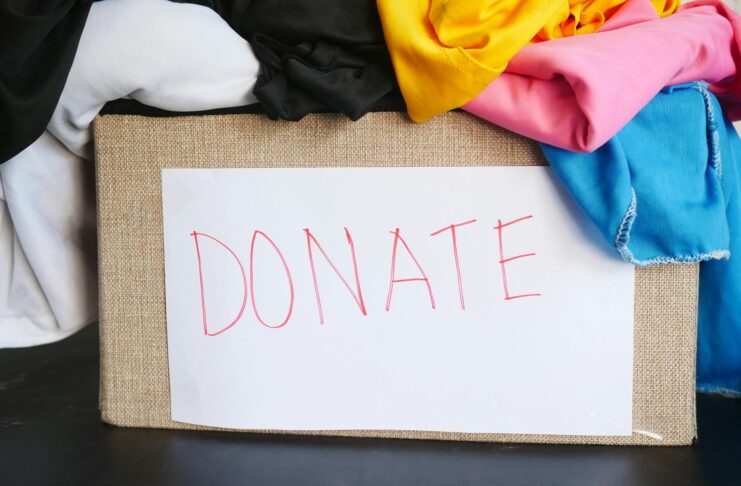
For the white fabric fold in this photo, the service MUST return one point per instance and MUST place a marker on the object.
(174, 56)
(47, 245)
(178, 57)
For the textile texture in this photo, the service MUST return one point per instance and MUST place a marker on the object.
(577, 92)
(39, 40)
(446, 52)
(132, 150)
(163, 54)
(315, 55)
(666, 189)
(48, 283)
(168, 55)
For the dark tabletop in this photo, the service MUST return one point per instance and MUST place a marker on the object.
(50, 433)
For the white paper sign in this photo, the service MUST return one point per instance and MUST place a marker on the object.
(430, 299)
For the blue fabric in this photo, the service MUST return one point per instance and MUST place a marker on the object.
(667, 189)
(719, 327)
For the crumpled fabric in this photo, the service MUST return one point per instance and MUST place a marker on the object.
(719, 318)
(315, 55)
(177, 57)
(39, 39)
(172, 56)
(446, 52)
(579, 17)
(667, 189)
(48, 285)
(578, 92)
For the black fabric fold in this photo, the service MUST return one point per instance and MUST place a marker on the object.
(391, 102)
(38, 41)
(315, 55)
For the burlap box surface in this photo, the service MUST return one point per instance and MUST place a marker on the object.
(132, 150)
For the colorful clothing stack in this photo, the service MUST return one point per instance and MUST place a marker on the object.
(632, 101)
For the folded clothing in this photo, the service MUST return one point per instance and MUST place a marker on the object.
(667, 189)
(44, 37)
(315, 55)
(578, 92)
(446, 52)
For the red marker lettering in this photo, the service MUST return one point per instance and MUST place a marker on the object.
(454, 237)
(252, 279)
(503, 261)
(393, 281)
(206, 331)
(357, 296)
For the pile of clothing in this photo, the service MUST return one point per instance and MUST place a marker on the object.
(631, 100)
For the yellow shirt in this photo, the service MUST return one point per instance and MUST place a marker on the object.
(445, 52)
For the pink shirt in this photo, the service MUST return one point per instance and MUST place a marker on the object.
(578, 92)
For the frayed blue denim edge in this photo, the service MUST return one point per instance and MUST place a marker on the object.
(622, 238)
(713, 135)
(719, 390)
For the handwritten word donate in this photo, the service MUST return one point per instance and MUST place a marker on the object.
(314, 249)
